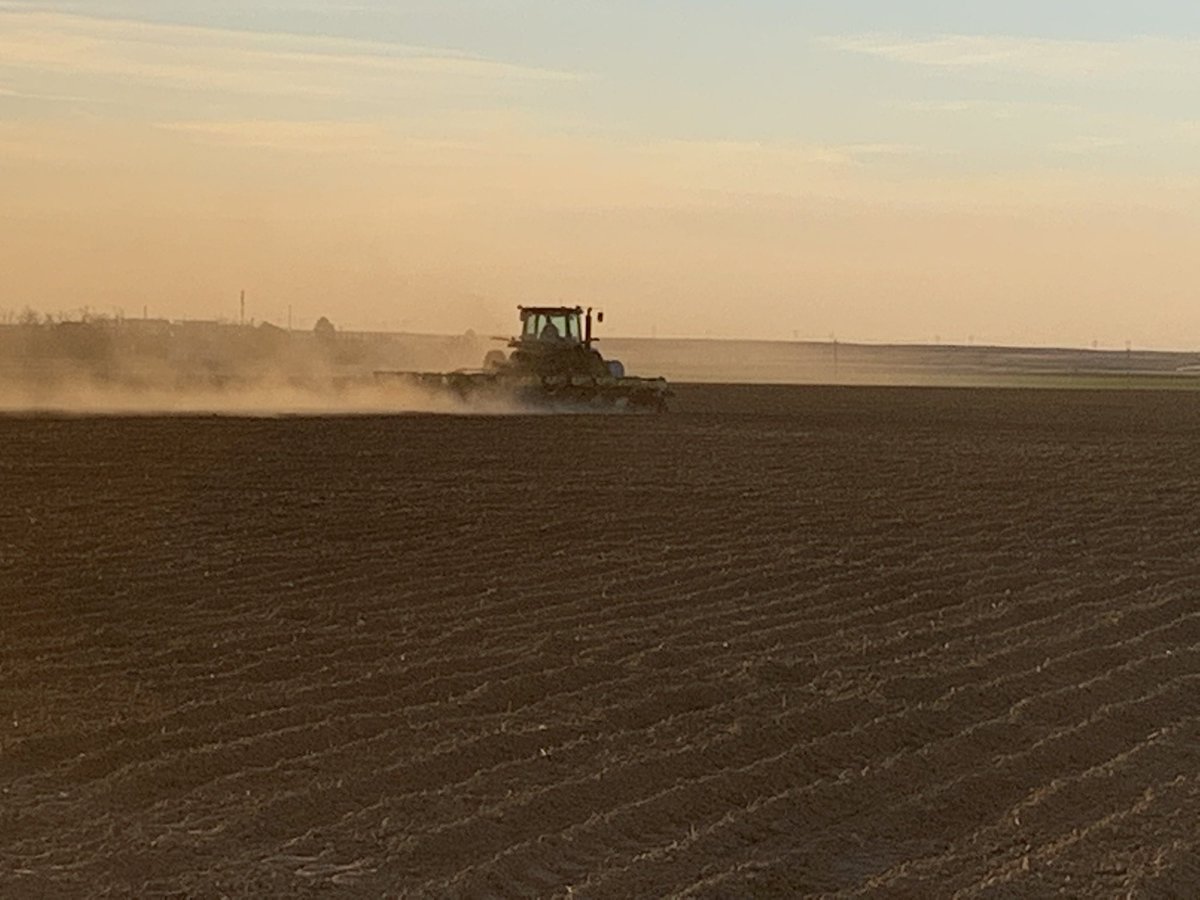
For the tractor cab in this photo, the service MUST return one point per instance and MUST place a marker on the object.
(554, 341)
(554, 325)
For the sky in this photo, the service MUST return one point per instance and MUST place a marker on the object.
(1017, 173)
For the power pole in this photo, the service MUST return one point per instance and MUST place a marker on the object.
(242, 317)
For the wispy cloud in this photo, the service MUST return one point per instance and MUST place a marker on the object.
(1086, 144)
(993, 109)
(891, 150)
(1040, 57)
(46, 96)
(297, 136)
(1179, 137)
(149, 55)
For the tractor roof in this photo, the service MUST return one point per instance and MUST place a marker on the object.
(551, 310)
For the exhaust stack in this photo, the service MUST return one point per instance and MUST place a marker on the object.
(587, 328)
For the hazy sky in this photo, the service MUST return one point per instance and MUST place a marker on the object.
(1023, 172)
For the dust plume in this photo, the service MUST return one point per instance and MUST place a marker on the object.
(153, 367)
(259, 398)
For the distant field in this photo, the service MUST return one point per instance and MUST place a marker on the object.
(805, 362)
(781, 641)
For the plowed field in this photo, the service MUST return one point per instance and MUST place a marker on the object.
(863, 642)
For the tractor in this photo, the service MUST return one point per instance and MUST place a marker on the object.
(552, 361)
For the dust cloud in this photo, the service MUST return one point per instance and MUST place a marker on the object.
(154, 367)
(254, 399)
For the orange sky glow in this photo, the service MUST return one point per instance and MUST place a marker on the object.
(167, 166)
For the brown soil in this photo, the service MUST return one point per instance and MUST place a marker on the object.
(865, 642)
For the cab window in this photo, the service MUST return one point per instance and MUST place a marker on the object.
(547, 326)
